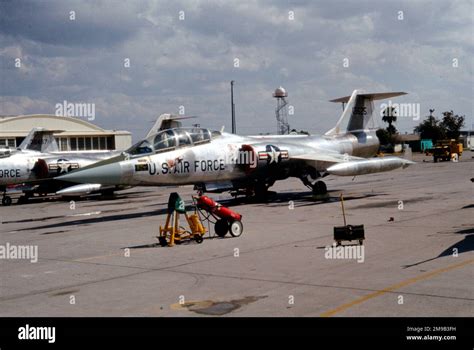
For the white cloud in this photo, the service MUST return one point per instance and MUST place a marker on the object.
(14, 105)
(191, 62)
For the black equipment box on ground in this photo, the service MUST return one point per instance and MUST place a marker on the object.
(349, 233)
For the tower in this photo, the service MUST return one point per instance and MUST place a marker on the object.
(281, 111)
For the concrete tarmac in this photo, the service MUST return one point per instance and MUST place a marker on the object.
(101, 257)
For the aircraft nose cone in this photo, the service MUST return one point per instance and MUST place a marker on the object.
(109, 174)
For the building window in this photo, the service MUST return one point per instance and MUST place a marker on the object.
(102, 143)
(80, 144)
(7, 143)
(110, 143)
(88, 143)
(62, 144)
(73, 142)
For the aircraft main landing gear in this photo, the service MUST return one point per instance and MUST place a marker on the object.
(319, 187)
(6, 200)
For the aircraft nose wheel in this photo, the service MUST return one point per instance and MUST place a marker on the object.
(319, 188)
(6, 201)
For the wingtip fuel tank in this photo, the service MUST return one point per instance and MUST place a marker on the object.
(368, 166)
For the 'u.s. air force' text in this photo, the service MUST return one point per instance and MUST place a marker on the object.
(9, 173)
(182, 167)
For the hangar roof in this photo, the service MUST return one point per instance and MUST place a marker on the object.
(22, 124)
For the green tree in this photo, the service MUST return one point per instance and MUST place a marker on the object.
(430, 128)
(452, 124)
(389, 115)
(384, 137)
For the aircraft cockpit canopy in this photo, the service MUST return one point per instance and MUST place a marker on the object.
(170, 139)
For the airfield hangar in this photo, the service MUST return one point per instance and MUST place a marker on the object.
(77, 134)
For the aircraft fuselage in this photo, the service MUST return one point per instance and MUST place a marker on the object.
(230, 157)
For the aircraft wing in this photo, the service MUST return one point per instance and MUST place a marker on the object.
(321, 161)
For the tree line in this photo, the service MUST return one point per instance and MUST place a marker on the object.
(432, 128)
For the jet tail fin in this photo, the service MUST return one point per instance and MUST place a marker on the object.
(40, 140)
(359, 110)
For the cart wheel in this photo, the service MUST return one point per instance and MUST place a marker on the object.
(361, 241)
(236, 228)
(198, 238)
(162, 241)
(221, 227)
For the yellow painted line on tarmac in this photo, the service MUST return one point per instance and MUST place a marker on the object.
(407, 282)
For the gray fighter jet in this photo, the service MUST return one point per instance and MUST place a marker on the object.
(32, 167)
(216, 161)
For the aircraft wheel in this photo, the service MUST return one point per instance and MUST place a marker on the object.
(6, 201)
(236, 228)
(261, 191)
(320, 188)
(221, 227)
(198, 238)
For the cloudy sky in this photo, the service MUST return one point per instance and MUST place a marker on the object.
(182, 53)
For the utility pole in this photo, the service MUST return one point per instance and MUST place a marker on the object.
(232, 105)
